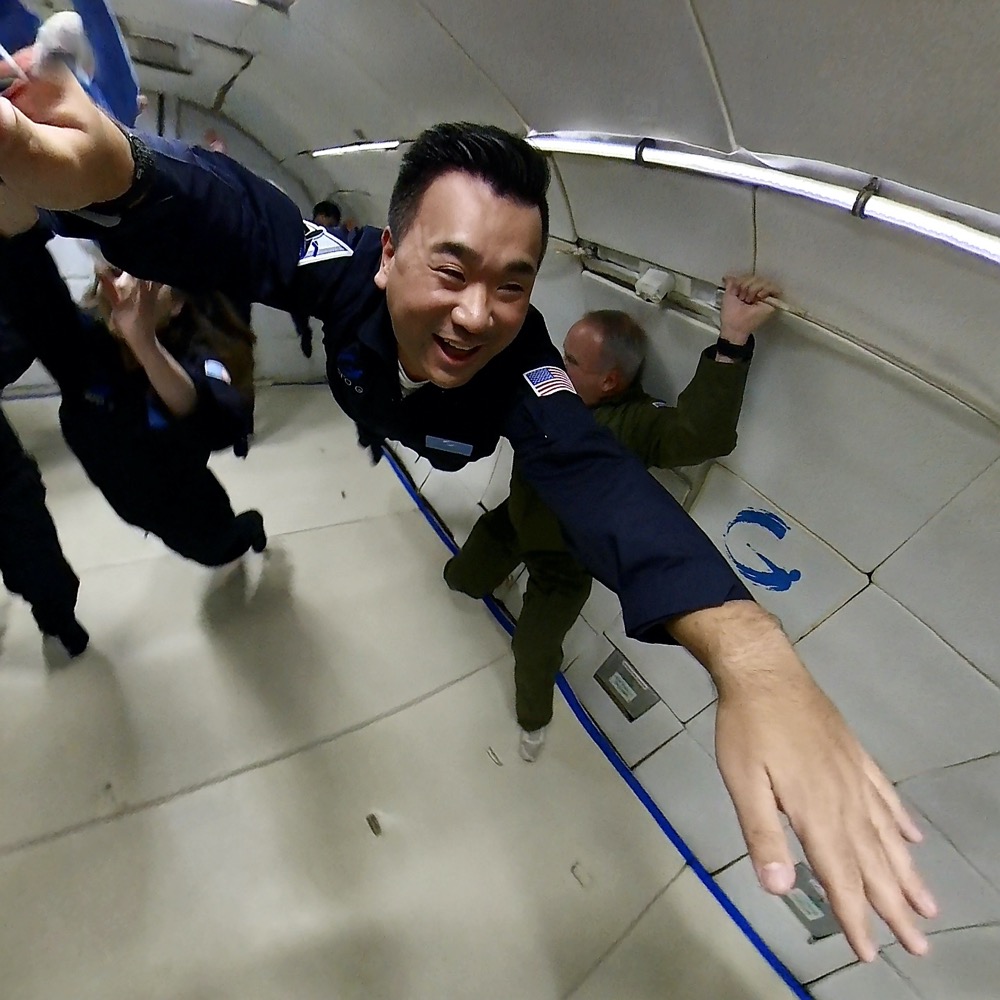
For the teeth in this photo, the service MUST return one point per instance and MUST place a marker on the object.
(458, 347)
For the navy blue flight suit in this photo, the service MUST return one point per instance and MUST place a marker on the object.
(150, 466)
(31, 559)
(195, 218)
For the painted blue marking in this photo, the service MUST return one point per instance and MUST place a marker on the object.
(773, 576)
(704, 876)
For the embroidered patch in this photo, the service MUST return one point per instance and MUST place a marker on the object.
(217, 370)
(443, 444)
(320, 244)
(545, 381)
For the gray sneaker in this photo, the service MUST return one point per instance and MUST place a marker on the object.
(531, 744)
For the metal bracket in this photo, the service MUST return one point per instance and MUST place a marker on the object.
(873, 186)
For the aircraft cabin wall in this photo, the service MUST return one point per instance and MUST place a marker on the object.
(869, 436)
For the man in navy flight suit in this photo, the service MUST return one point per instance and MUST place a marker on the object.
(431, 341)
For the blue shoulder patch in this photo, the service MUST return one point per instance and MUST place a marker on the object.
(320, 244)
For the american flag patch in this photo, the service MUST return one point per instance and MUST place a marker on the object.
(546, 381)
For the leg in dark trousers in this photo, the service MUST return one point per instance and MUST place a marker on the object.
(487, 558)
(31, 559)
(163, 489)
(558, 588)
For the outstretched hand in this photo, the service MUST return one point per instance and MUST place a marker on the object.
(782, 746)
(58, 150)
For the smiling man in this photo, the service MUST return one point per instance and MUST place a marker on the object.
(431, 341)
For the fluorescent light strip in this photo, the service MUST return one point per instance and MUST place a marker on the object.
(934, 227)
(894, 213)
(357, 147)
(747, 173)
(567, 142)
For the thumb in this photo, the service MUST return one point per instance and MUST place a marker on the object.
(760, 821)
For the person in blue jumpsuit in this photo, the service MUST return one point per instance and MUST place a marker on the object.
(431, 341)
(143, 411)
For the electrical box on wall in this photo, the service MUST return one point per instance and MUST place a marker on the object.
(654, 286)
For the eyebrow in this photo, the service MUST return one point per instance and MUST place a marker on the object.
(463, 252)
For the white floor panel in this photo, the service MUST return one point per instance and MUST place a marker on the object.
(680, 948)
(486, 880)
(205, 673)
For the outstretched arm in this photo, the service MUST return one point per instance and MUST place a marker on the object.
(159, 209)
(782, 746)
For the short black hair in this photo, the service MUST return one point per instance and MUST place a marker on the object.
(328, 208)
(511, 167)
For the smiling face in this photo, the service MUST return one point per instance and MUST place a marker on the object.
(459, 282)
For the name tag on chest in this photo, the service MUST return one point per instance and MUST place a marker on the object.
(452, 447)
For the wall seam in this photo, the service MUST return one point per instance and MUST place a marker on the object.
(713, 73)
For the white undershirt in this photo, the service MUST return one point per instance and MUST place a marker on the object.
(406, 384)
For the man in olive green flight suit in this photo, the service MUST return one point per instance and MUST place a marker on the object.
(604, 352)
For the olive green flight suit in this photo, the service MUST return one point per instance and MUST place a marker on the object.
(522, 529)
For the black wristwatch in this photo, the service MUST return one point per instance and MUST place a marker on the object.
(143, 169)
(737, 352)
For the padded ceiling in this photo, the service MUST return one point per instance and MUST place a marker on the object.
(904, 89)
(386, 68)
(615, 67)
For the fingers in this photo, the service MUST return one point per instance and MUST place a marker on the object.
(904, 822)
(760, 822)
(861, 859)
(107, 282)
(751, 288)
(900, 891)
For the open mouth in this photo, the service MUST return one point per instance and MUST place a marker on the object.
(455, 352)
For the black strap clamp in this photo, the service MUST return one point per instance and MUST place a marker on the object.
(640, 147)
(873, 187)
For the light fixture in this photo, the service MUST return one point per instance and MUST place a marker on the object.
(935, 227)
(356, 147)
(871, 206)
(622, 148)
(748, 173)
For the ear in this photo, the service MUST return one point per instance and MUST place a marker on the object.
(388, 258)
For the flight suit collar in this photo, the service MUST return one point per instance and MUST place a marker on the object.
(377, 334)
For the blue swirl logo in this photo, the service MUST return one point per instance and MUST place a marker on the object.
(772, 576)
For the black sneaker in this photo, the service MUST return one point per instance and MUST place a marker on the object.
(254, 521)
(74, 638)
(68, 631)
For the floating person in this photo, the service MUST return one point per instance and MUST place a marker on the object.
(151, 385)
(604, 352)
(431, 340)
